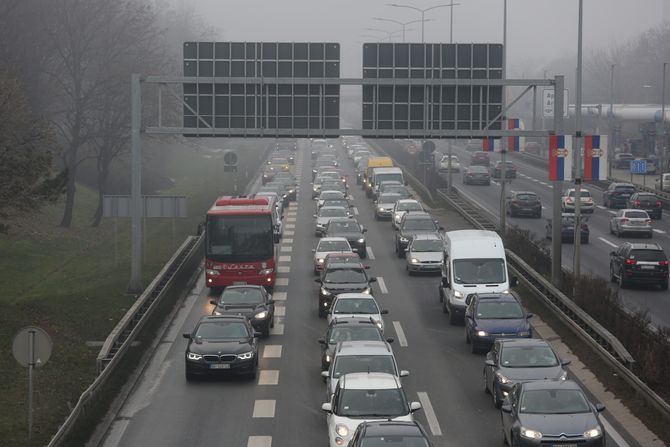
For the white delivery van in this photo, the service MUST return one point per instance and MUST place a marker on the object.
(381, 175)
(474, 262)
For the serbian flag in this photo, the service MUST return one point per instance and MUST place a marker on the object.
(513, 143)
(488, 144)
(595, 165)
(560, 165)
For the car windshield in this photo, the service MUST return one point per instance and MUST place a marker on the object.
(388, 176)
(332, 212)
(647, 255)
(386, 403)
(528, 197)
(583, 193)
(409, 206)
(241, 296)
(422, 245)
(528, 357)
(394, 441)
(214, 330)
(344, 227)
(333, 246)
(419, 224)
(362, 332)
(489, 310)
(388, 197)
(479, 271)
(624, 189)
(355, 306)
(636, 215)
(346, 364)
(477, 169)
(336, 202)
(343, 276)
(553, 402)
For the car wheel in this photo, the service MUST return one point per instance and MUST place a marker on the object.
(322, 312)
(444, 305)
(440, 296)
(254, 372)
(612, 275)
(467, 337)
(272, 322)
(452, 318)
(622, 282)
(363, 253)
(611, 229)
(486, 383)
(617, 231)
(266, 330)
(189, 376)
(473, 348)
(497, 403)
(664, 286)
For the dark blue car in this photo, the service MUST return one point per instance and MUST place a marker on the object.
(494, 315)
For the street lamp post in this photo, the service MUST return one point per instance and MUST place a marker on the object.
(577, 147)
(503, 142)
(661, 131)
(423, 13)
(612, 143)
(389, 34)
(402, 24)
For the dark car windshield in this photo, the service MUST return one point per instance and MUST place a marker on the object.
(359, 333)
(479, 271)
(624, 189)
(336, 202)
(491, 309)
(355, 306)
(332, 212)
(333, 246)
(343, 276)
(346, 364)
(528, 357)
(528, 197)
(423, 245)
(394, 441)
(388, 197)
(344, 227)
(419, 224)
(409, 206)
(384, 403)
(221, 329)
(553, 402)
(249, 295)
(647, 255)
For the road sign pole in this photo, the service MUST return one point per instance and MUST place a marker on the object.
(31, 365)
(135, 284)
(577, 147)
(556, 246)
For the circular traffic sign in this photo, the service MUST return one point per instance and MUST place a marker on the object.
(428, 146)
(32, 346)
(230, 158)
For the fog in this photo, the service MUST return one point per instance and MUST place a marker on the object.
(539, 31)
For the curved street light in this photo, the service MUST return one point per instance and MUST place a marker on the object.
(423, 14)
(402, 24)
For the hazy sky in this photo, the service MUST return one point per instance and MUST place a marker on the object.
(538, 30)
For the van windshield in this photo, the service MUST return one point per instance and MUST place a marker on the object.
(479, 271)
(390, 176)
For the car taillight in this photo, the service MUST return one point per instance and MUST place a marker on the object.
(663, 263)
(515, 202)
(636, 203)
(624, 220)
(631, 262)
(658, 204)
(647, 220)
(585, 227)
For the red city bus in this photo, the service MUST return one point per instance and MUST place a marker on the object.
(239, 244)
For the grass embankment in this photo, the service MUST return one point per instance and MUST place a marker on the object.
(66, 281)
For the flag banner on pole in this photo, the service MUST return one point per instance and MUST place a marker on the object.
(560, 157)
(514, 142)
(595, 157)
(488, 144)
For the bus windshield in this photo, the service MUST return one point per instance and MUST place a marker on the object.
(239, 238)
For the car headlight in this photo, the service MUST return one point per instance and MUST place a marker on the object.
(245, 355)
(414, 261)
(320, 260)
(314, 188)
(324, 292)
(563, 376)
(216, 312)
(379, 324)
(403, 239)
(458, 294)
(261, 315)
(523, 334)
(211, 272)
(265, 271)
(502, 379)
(482, 333)
(193, 356)
(291, 191)
(367, 290)
(530, 434)
(361, 240)
(593, 433)
(380, 208)
(341, 430)
(327, 358)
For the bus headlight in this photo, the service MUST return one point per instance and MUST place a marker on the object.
(264, 272)
(211, 272)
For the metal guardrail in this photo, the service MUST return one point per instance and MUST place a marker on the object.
(182, 264)
(606, 345)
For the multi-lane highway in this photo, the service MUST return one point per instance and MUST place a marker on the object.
(595, 255)
(281, 408)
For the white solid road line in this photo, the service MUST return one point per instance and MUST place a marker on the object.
(259, 441)
(382, 285)
(400, 333)
(611, 244)
(616, 437)
(658, 231)
(368, 250)
(428, 410)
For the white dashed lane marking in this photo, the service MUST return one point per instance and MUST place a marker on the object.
(268, 377)
(355, 211)
(289, 233)
(369, 252)
(287, 241)
(286, 248)
(283, 269)
(428, 410)
(279, 296)
(280, 311)
(278, 329)
(272, 351)
(259, 441)
(264, 408)
(611, 244)
(289, 226)
(285, 258)
(281, 282)
(655, 230)
(382, 285)
(400, 334)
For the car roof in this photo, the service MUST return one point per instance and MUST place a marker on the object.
(206, 318)
(428, 237)
(333, 239)
(353, 321)
(507, 297)
(368, 381)
(524, 342)
(644, 246)
(363, 348)
(551, 385)
(344, 266)
(392, 428)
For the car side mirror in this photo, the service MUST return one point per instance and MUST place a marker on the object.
(407, 250)
(565, 362)
(212, 302)
(327, 407)
(314, 215)
(529, 315)
(468, 299)
(271, 301)
(600, 407)
(613, 253)
(325, 374)
(366, 267)
(384, 312)
(257, 334)
(414, 407)
(313, 250)
(514, 281)
(441, 228)
(445, 282)
(365, 230)
(317, 280)
(489, 362)
(373, 279)
(506, 408)
(404, 373)
(321, 340)
(186, 335)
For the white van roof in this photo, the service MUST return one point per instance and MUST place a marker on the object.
(386, 170)
(473, 243)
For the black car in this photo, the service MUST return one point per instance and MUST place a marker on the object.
(290, 188)
(524, 203)
(568, 229)
(268, 174)
(639, 263)
(648, 202)
(341, 278)
(222, 344)
(349, 229)
(413, 223)
(349, 329)
(617, 194)
(551, 412)
(512, 361)
(392, 433)
(476, 175)
(253, 302)
(510, 170)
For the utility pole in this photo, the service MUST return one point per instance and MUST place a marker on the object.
(556, 244)
(503, 142)
(660, 134)
(577, 147)
(611, 144)
(449, 149)
(135, 284)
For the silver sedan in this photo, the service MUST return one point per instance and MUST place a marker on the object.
(631, 221)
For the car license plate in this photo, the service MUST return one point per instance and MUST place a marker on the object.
(239, 283)
(219, 366)
(647, 267)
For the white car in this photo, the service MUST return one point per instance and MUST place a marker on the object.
(631, 221)
(329, 195)
(401, 207)
(329, 245)
(326, 213)
(444, 164)
(363, 397)
(568, 201)
(348, 305)
(424, 253)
